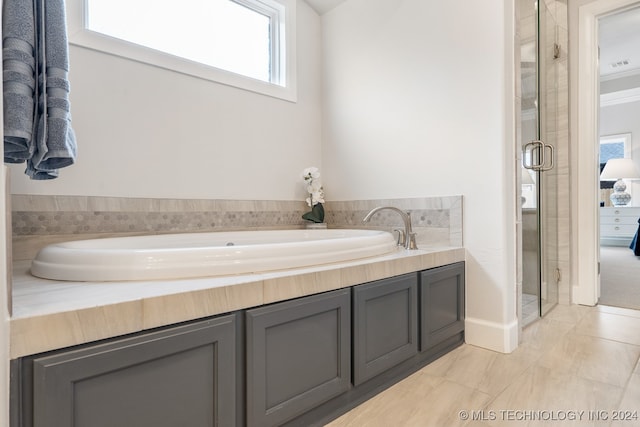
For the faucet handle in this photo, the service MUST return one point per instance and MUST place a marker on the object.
(402, 237)
(412, 241)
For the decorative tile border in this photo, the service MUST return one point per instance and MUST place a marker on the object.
(50, 215)
(78, 222)
(40, 220)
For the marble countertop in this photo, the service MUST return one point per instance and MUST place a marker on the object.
(49, 314)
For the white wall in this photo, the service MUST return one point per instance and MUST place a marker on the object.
(4, 314)
(419, 102)
(623, 118)
(4, 268)
(148, 132)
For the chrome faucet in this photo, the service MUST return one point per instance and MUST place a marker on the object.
(406, 238)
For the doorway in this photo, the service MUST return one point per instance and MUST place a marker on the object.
(584, 106)
(619, 132)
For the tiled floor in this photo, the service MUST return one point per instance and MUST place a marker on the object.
(529, 308)
(578, 366)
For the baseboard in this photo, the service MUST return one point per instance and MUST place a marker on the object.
(494, 336)
(616, 241)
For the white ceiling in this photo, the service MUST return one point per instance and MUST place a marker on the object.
(323, 6)
(620, 41)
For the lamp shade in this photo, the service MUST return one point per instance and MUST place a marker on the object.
(619, 169)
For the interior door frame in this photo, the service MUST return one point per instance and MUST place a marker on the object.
(584, 106)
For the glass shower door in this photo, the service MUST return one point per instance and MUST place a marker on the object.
(529, 125)
(549, 54)
(539, 117)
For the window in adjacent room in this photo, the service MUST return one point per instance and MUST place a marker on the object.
(244, 43)
(612, 147)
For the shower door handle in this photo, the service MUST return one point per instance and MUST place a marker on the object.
(550, 157)
(541, 156)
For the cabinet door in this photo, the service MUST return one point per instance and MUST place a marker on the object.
(184, 376)
(298, 356)
(441, 304)
(385, 326)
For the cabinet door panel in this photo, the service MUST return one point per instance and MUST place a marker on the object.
(442, 304)
(298, 356)
(181, 376)
(385, 325)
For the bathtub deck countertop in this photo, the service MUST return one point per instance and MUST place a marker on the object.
(49, 314)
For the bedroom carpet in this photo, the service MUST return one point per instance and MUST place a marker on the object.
(619, 277)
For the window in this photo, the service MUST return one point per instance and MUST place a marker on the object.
(613, 147)
(243, 43)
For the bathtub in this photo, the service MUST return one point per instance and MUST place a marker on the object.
(173, 256)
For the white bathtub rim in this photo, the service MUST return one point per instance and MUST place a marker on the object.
(75, 261)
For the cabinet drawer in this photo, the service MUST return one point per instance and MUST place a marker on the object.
(618, 230)
(633, 212)
(623, 213)
(619, 222)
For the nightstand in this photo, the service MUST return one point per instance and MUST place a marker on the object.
(618, 225)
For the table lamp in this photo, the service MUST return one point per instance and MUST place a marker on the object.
(617, 170)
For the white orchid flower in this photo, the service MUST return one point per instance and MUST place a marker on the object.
(313, 186)
(317, 197)
(310, 173)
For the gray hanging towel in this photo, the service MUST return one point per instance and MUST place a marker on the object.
(52, 143)
(19, 79)
(55, 141)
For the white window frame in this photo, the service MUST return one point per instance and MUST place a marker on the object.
(625, 138)
(284, 73)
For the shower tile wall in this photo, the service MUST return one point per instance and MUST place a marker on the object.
(40, 220)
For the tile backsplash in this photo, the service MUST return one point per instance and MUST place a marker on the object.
(111, 215)
(436, 220)
(39, 220)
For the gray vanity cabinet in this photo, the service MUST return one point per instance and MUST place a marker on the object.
(441, 304)
(385, 325)
(298, 356)
(182, 376)
(299, 362)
